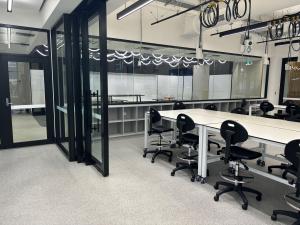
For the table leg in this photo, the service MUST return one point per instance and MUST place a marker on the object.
(200, 131)
(146, 131)
(204, 153)
(250, 110)
(261, 160)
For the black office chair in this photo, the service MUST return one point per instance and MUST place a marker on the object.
(157, 129)
(239, 110)
(287, 167)
(288, 102)
(189, 158)
(290, 111)
(292, 152)
(234, 133)
(178, 105)
(266, 107)
(212, 107)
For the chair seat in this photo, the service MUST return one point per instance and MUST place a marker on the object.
(243, 153)
(160, 129)
(190, 138)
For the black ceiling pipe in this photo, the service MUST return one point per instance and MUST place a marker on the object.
(241, 29)
(254, 26)
(286, 42)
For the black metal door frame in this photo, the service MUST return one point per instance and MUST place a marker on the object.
(5, 112)
(282, 79)
(70, 153)
(86, 12)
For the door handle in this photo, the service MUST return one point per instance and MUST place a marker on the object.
(7, 102)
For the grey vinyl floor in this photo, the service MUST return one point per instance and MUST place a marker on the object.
(38, 186)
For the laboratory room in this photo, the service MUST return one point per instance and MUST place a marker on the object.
(150, 112)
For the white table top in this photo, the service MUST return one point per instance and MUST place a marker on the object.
(199, 119)
(272, 134)
(281, 124)
(279, 131)
(19, 107)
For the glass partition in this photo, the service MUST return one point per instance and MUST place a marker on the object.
(62, 86)
(292, 82)
(147, 72)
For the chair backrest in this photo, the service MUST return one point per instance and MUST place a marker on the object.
(185, 123)
(239, 110)
(232, 132)
(266, 106)
(212, 107)
(178, 105)
(292, 109)
(291, 150)
(244, 103)
(292, 154)
(154, 117)
(288, 102)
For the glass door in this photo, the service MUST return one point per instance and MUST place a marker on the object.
(23, 101)
(94, 78)
(289, 84)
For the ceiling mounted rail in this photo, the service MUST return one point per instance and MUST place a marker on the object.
(271, 24)
(184, 11)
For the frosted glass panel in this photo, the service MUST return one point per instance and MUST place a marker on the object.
(220, 86)
(37, 81)
(146, 85)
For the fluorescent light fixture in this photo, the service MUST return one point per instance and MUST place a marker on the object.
(9, 5)
(132, 8)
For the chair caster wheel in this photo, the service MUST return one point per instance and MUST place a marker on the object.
(245, 206)
(172, 174)
(216, 198)
(198, 178)
(144, 155)
(216, 187)
(258, 198)
(193, 179)
(173, 146)
(152, 161)
(170, 159)
(274, 217)
(260, 162)
(203, 181)
(270, 170)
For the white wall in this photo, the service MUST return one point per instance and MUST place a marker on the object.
(171, 32)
